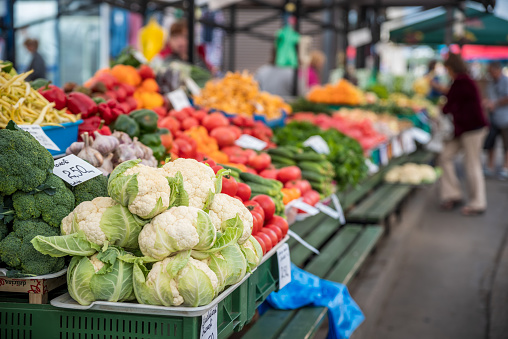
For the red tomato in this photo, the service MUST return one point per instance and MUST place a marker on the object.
(170, 123)
(236, 130)
(248, 122)
(269, 173)
(289, 173)
(237, 120)
(244, 191)
(250, 153)
(186, 148)
(189, 122)
(232, 150)
(217, 168)
(266, 204)
(261, 243)
(224, 136)
(277, 231)
(280, 222)
(303, 185)
(199, 114)
(237, 197)
(209, 162)
(251, 170)
(179, 115)
(271, 234)
(254, 206)
(214, 120)
(311, 197)
(266, 239)
(238, 159)
(257, 222)
(260, 162)
(229, 186)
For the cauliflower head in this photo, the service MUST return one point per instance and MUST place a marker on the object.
(224, 208)
(198, 179)
(173, 298)
(393, 175)
(178, 229)
(428, 173)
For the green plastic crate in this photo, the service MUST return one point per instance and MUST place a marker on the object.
(23, 320)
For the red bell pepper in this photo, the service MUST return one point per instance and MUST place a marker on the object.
(81, 103)
(89, 125)
(54, 94)
(108, 114)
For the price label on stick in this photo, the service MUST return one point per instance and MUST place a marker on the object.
(408, 143)
(396, 148)
(420, 135)
(383, 155)
(74, 170)
(248, 141)
(284, 265)
(139, 57)
(327, 210)
(304, 207)
(318, 144)
(338, 207)
(179, 99)
(209, 324)
(192, 86)
(373, 168)
(38, 133)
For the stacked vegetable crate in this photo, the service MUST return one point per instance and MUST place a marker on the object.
(21, 320)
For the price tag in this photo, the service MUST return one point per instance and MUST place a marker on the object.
(284, 265)
(318, 144)
(209, 324)
(179, 99)
(373, 168)
(420, 135)
(304, 207)
(139, 57)
(338, 207)
(327, 210)
(38, 133)
(248, 141)
(192, 86)
(383, 155)
(396, 148)
(259, 108)
(408, 142)
(74, 170)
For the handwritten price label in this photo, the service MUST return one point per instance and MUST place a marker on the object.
(247, 141)
(284, 265)
(178, 99)
(38, 133)
(209, 324)
(74, 170)
(338, 207)
(318, 144)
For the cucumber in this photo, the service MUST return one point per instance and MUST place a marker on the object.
(281, 152)
(315, 167)
(276, 159)
(256, 179)
(310, 156)
(313, 176)
(261, 189)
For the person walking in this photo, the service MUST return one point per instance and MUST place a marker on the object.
(37, 64)
(464, 106)
(496, 104)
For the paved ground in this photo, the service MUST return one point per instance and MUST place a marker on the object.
(439, 275)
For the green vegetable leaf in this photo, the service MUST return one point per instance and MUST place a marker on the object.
(79, 274)
(124, 189)
(206, 231)
(232, 231)
(121, 227)
(180, 261)
(179, 196)
(74, 244)
(48, 189)
(195, 287)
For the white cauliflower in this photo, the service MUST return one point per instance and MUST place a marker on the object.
(224, 208)
(393, 175)
(198, 179)
(87, 218)
(153, 275)
(177, 229)
(428, 173)
(97, 264)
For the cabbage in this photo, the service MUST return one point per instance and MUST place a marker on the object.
(92, 225)
(253, 253)
(175, 281)
(104, 276)
(229, 265)
(143, 189)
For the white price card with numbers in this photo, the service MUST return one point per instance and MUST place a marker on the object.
(38, 133)
(179, 99)
(284, 265)
(74, 170)
(248, 141)
(408, 142)
(192, 86)
(209, 324)
(318, 144)
(420, 135)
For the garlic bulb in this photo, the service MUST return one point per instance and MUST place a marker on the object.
(149, 162)
(125, 152)
(90, 154)
(107, 165)
(122, 137)
(105, 143)
(75, 148)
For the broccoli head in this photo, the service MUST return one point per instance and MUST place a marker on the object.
(91, 189)
(52, 202)
(24, 162)
(18, 253)
(4, 230)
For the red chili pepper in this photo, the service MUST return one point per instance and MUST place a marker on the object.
(81, 103)
(54, 94)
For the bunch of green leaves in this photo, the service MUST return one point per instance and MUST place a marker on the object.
(304, 105)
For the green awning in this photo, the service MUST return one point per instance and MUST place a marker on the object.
(481, 28)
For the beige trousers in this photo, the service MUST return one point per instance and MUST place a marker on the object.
(471, 144)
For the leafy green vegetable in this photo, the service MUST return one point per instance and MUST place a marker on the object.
(304, 105)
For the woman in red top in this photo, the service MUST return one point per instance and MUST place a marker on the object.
(464, 106)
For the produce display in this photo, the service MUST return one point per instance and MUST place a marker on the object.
(413, 174)
(383, 123)
(238, 93)
(341, 93)
(26, 106)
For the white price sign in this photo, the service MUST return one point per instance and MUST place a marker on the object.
(383, 155)
(248, 141)
(192, 86)
(304, 207)
(209, 324)
(338, 207)
(396, 148)
(373, 168)
(284, 265)
(408, 143)
(74, 170)
(318, 144)
(38, 133)
(420, 135)
(179, 99)
(327, 210)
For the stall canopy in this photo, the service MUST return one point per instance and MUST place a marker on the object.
(480, 28)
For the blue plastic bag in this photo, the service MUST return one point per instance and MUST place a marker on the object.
(306, 289)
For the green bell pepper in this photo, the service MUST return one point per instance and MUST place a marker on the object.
(146, 119)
